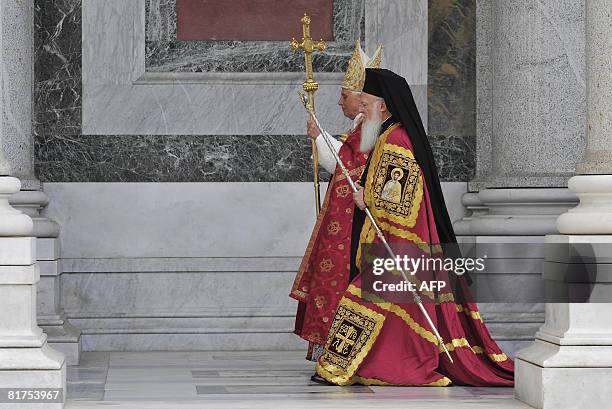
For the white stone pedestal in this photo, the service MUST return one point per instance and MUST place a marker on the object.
(26, 361)
(570, 363)
(594, 213)
(551, 376)
(517, 221)
(61, 335)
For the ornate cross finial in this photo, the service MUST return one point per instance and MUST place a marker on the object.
(308, 46)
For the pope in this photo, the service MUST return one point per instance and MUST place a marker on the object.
(323, 274)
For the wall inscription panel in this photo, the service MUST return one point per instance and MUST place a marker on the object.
(247, 35)
(251, 19)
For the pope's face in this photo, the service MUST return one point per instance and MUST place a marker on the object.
(349, 102)
(369, 106)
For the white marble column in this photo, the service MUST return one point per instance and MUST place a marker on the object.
(530, 114)
(570, 363)
(17, 51)
(531, 92)
(593, 183)
(26, 361)
(17, 88)
(402, 28)
(62, 336)
(530, 121)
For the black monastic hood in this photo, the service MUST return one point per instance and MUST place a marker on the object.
(399, 100)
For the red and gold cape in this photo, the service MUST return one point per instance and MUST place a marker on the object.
(323, 275)
(378, 342)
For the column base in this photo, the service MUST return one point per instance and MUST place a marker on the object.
(63, 337)
(22, 368)
(475, 208)
(594, 213)
(511, 319)
(13, 222)
(31, 202)
(26, 360)
(570, 363)
(514, 212)
(550, 376)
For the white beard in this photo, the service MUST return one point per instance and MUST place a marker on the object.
(370, 130)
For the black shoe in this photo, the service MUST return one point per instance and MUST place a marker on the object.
(320, 380)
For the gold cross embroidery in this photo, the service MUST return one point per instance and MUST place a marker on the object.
(343, 342)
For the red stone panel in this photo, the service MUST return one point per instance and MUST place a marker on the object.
(252, 19)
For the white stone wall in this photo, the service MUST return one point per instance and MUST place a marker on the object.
(185, 265)
(119, 98)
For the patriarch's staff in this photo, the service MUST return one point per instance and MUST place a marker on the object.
(310, 87)
(379, 232)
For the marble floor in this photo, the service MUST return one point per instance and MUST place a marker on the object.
(249, 380)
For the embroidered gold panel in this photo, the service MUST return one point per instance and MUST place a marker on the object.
(351, 336)
(397, 185)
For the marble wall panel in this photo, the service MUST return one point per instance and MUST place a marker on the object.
(180, 220)
(110, 220)
(400, 26)
(182, 310)
(150, 127)
(245, 341)
(200, 158)
(186, 294)
(164, 53)
(57, 76)
(455, 157)
(203, 109)
(179, 158)
(452, 67)
(116, 100)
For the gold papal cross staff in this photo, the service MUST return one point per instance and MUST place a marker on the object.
(310, 86)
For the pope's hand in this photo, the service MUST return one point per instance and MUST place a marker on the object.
(358, 197)
(312, 129)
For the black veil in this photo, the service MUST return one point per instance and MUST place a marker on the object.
(399, 100)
